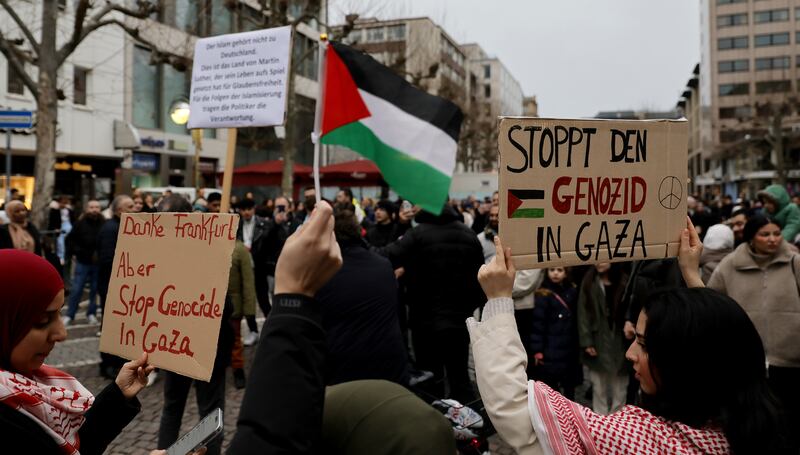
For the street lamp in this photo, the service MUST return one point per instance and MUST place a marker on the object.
(179, 114)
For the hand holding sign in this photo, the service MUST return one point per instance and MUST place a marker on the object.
(132, 378)
(310, 256)
(497, 277)
(689, 256)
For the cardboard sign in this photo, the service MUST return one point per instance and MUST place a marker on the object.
(167, 290)
(576, 192)
(240, 79)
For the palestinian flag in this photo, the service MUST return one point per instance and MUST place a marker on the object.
(531, 199)
(411, 135)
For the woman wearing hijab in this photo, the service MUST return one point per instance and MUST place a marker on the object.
(697, 355)
(44, 410)
(19, 233)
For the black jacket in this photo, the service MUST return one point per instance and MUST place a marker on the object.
(359, 314)
(109, 414)
(107, 242)
(282, 413)
(6, 243)
(269, 246)
(380, 235)
(555, 332)
(82, 240)
(646, 277)
(54, 219)
(441, 257)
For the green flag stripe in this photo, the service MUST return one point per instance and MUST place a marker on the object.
(411, 178)
(528, 213)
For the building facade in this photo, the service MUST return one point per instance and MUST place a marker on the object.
(117, 90)
(749, 72)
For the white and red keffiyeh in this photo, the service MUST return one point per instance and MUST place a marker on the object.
(567, 428)
(53, 399)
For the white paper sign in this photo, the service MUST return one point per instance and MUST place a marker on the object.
(240, 79)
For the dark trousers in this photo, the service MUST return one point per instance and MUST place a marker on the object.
(445, 353)
(210, 395)
(785, 384)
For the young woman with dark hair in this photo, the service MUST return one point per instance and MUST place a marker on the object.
(698, 357)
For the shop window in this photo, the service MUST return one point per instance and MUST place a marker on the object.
(80, 77)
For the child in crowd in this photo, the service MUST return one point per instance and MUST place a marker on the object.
(554, 339)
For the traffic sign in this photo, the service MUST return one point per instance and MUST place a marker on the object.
(16, 119)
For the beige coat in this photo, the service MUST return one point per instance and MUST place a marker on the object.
(500, 362)
(770, 296)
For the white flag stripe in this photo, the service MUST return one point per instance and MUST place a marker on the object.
(408, 134)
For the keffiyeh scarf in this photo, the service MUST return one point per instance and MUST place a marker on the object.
(53, 399)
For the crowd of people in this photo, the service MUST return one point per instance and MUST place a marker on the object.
(375, 296)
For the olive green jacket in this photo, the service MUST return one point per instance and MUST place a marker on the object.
(242, 284)
(593, 331)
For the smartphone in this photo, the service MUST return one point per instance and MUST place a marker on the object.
(203, 433)
(281, 208)
(407, 205)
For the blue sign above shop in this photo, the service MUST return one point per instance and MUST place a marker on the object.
(145, 162)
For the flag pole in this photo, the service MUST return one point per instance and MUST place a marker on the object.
(315, 136)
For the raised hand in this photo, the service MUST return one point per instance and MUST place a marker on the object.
(310, 256)
(497, 277)
(689, 256)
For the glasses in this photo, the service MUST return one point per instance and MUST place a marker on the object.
(281, 208)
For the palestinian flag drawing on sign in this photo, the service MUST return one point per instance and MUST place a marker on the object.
(532, 201)
(411, 135)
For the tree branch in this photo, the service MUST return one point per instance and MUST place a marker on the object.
(18, 65)
(22, 26)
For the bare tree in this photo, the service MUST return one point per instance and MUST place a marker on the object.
(26, 52)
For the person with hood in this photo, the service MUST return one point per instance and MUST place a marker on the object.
(386, 229)
(717, 244)
(441, 257)
(778, 205)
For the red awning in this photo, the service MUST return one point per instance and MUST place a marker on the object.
(267, 173)
(351, 173)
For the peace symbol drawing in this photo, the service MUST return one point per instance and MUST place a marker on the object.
(670, 192)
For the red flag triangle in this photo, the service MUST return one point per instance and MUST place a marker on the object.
(513, 203)
(343, 103)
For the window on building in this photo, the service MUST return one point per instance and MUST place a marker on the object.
(727, 2)
(797, 14)
(775, 15)
(487, 91)
(182, 14)
(396, 32)
(733, 66)
(772, 63)
(250, 19)
(771, 39)
(375, 35)
(734, 89)
(221, 18)
(147, 102)
(731, 20)
(14, 84)
(487, 71)
(773, 86)
(736, 42)
(174, 85)
(80, 78)
(304, 56)
(62, 4)
(738, 112)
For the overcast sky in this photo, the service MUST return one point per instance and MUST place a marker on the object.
(577, 56)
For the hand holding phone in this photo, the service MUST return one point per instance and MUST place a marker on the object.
(199, 436)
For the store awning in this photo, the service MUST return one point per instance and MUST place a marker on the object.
(351, 173)
(267, 173)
